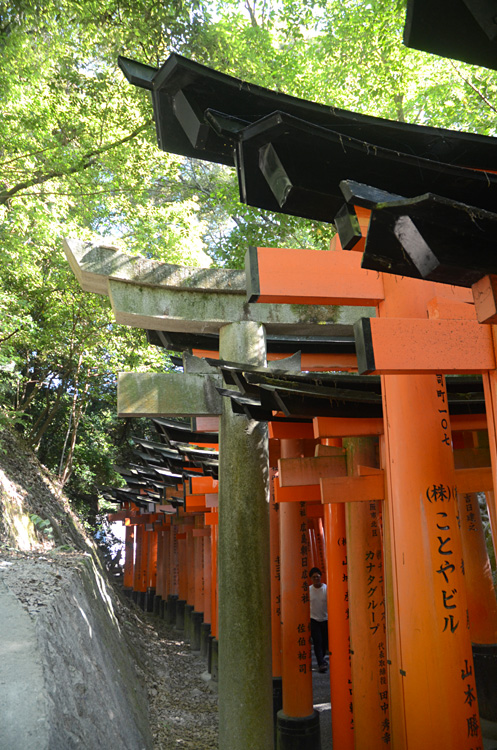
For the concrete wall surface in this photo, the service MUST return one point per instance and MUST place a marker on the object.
(67, 678)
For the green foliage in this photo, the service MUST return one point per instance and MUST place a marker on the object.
(42, 525)
(78, 157)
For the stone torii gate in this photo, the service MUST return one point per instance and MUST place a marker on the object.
(153, 295)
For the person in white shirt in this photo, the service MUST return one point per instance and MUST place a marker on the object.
(319, 618)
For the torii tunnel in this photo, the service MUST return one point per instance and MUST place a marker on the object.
(331, 409)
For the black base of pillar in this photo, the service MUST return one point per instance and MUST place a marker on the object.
(162, 609)
(157, 605)
(196, 624)
(149, 600)
(298, 733)
(170, 609)
(214, 659)
(205, 631)
(187, 633)
(128, 591)
(485, 660)
(277, 701)
(180, 614)
(139, 597)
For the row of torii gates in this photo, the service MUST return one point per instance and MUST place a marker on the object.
(409, 581)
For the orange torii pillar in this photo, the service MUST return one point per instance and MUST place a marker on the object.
(435, 690)
(172, 574)
(182, 574)
(274, 551)
(160, 585)
(367, 606)
(342, 713)
(205, 628)
(141, 563)
(199, 533)
(151, 572)
(297, 722)
(211, 519)
(190, 563)
(128, 557)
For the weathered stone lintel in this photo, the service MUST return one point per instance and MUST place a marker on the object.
(175, 394)
(93, 265)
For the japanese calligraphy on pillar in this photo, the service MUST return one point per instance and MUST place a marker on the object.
(374, 586)
(175, 562)
(443, 409)
(442, 520)
(303, 629)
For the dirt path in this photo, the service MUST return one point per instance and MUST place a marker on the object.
(183, 708)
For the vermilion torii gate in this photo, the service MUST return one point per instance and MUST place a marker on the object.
(147, 295)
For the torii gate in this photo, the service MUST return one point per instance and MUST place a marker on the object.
(424, 329)
(154, 295)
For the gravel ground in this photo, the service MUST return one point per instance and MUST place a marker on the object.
(183, 708)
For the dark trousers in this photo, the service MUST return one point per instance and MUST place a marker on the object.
(319, 635)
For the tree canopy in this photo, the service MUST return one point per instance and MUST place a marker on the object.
(78, 157)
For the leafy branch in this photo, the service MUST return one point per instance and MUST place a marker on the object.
(87, 161)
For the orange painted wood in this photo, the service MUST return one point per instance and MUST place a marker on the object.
(364, 471)
(367, 606)
(203, 485)
(143, 571)
(137, 569)
(274, 577)
(128, 557)
(482, 603)
(367, 625)
(315, 510)
(211, 519)
(314, 277)
(194, 503)
(343, 427)
(293, 472)
(427, 346)
(485, 298)
(201, 532)
(450, 309)
(173, 562)
(208, 577)
(431, 644)
(342, 715)
(214, 589)
(190, 562)
(352, 489)
(316, 527)
(295, 612)
(198, 556)
(182, 565)
(152, 559)
(291, 430)
(305, 493)
(161, 582)
(474, 480)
